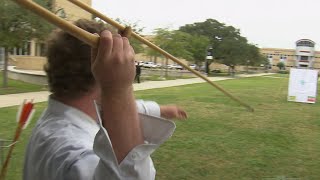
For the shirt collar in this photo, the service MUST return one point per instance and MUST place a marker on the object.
(76, 117)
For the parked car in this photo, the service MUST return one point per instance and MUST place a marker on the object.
(149, 65)
(170, 66)
(174, 66)
(140, 63)
(177, 66)
(193, 66)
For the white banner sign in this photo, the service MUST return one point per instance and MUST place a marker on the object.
(303, 85)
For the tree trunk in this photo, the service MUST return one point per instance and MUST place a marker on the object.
(5, 68)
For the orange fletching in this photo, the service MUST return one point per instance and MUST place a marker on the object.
(25, 113)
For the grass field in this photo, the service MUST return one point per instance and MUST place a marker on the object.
(18, 87)
(221, 140)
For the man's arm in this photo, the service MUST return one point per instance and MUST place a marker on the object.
(114, 70)
(172, 112)
(165, 111)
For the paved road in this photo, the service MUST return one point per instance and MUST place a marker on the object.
(16, 99)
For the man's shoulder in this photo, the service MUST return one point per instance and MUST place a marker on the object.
(59, 129)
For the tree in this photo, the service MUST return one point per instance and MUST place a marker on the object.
(229, 47)
(178, 45)
(214, 30)
(17, 26)
(173, 42)
(162, 36)
(197, 46)
(281, 65)
(181, 44)
(137, 45)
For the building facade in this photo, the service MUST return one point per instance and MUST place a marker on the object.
(30, 55)
(303, 56)
(69, 11)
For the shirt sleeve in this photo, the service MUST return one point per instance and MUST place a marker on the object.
(148, 107)
(137, 165)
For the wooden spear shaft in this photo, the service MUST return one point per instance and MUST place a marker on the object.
(156, 48)
(93, 40)
(77, 32)
(4, 168)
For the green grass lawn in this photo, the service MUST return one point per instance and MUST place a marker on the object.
(18, 87)
(221, 140)
(280, 75)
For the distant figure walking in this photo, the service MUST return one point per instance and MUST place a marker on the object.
(138, 73)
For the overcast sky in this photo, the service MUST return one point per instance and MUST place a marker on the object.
(268, 23)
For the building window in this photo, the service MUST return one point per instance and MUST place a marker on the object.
(41, 49)
(27, 48)
(23, 49)
(283, 58)
(305, 44)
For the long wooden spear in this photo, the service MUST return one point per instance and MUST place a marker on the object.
(93, 40)
(24, 115)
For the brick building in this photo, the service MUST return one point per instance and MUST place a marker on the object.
(30, 55)
(303, 56)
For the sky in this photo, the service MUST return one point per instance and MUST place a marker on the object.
(266, 23)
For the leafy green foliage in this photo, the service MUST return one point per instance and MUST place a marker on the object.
(18, 24)
(180, 44)
(229, 47)
(137, 45)
(281, 65)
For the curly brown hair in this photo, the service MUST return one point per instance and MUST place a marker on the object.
(69, 66)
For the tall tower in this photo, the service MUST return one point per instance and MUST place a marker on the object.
(305, 53)
(69, 11)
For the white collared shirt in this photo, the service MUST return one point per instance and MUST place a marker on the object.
(67, 144)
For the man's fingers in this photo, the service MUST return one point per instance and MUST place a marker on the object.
(117, 48)
(105, 44)
(94, 51)
(126, 32)
(128, 48)
(182, 114)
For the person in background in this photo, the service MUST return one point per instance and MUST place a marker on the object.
(138, 72)
(93, 128)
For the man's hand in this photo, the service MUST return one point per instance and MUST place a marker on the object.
(172, 112)
(114, 70)
(113, 62)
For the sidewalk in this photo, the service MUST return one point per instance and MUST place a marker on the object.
(42, 96)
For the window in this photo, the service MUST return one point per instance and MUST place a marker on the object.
(27, 48)
(305, 43)
(41, 49)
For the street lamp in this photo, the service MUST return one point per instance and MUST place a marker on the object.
(208, 57)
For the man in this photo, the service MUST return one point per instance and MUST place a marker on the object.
(76, 139)
(138, 72)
